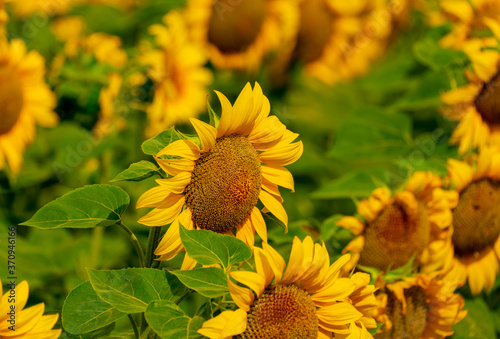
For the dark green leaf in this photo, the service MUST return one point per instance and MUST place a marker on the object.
(84, 311)
(478, 324)
(210, 282)
(89, 206)
(138, 171)
(209, 248)
(131, 290)
(170, 322)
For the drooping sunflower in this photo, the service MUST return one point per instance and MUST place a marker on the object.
(309, 299)
(240, 161)
(177, 69)
(476, 220)
(423, 307)
(29, 322)
(474, 105)
(25, 100)
(337, 40)
(393, 229)
(239, 34)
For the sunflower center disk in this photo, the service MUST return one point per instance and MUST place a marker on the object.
(399, 232)
(488, 101)
(225, 184)
(234, 25)
(477, 217)
(411, 324)
(11, 98)
(315, 30)
(285, 312)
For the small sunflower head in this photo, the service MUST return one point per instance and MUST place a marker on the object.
(284, 311)
(225, 184)
(11, 97)
(487, 103)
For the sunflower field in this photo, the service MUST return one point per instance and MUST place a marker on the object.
(255, 169)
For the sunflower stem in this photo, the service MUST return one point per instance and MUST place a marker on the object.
(153, 238)
(136, 243)
(134, 326)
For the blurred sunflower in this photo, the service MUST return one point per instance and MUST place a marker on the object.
(4, 18)
(30, 322)
(415, 222)
(221, 183)
(25, 100)
(423, 306)
(108, 119)
(49, 8)
(239, 34)
(307, 300)
(337, 39)
(476, 220)
(475, 104)
(177, 70)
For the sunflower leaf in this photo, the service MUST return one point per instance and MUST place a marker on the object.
(84, 311)
(170, 322)
(214, 118)
(479, 322)
(209, 248)
(131, 290)
(210, 282)
(138, 171)
(85, 207)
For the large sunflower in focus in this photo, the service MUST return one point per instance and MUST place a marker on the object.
(307, 300)
(25, 100)
(423, 307)
(476, 220)
(239, 34)
(177, 70)
(30, 322)
(475, 104)
(239, 162)
(393, 229)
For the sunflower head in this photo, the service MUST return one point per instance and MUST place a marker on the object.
(11, 97)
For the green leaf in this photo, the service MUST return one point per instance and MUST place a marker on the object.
(138, 171)
(170, 322)
(209, 248)
(100, 333)
(214, 118)
(210, 282)
(165, 138)
(358, 183)
(89, 206)
(478, 324)
(84, 311)
(372, 136)
(131, 290)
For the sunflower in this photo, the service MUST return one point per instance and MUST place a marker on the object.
(338, 39)
(414, 222)
(29, 322)
(49, 8)
(4, 17)
(474, 104)
(476, 220)
(25, 100)
(239, 34)
(239, 162)
(177, 70)
(307, 300)
(423, 306)
(108, 97)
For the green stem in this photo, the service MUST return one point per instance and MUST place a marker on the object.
(137, 245)
(134, 326)
(153, 238)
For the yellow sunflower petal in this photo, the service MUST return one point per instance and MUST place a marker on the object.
(206, 133)
(268, 130)
(275, 260)
(353, 224)
(341, 313)
(251, 279)
(465, 93)
(25, 320)
(460, 173)
(226, 118)
(165, 213)
(341, 289)
(175, 184)
(153, 197)
(274, 206)
(188, 263)
(282, 155)
(243, 297)
(246, 233)
(297, 256)
(175, 166)
(278, 175)
(493, 25)
(226, 324)
(258, 223)
(181, 148)
(263, 266)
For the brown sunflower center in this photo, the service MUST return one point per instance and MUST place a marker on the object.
(477, 217)
(488, 101)
(234, 25)
(410, 325)
(315, 30)
(398, 233)
(11, 98)
(225, 184)
(284, 312)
